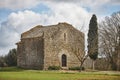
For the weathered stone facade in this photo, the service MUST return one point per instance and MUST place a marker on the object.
(45, 46)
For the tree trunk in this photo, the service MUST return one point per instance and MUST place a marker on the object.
(114, 66)
(80, 66)
(93, 64)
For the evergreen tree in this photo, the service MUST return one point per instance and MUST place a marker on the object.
(11, 58)
(93, 39)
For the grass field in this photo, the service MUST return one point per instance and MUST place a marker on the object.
(20, 74)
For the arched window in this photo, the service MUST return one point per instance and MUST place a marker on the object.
(64, 60)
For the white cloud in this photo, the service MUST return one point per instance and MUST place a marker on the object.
(72, 13)
(115, 2)
(18, 4)
(16, 24)
(24, 4)
(23, 20)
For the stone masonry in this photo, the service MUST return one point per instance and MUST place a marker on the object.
(44, 46)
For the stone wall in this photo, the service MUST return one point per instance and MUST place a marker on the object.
(31, 53)
(88, 63)
(100, 64)
(59, 40)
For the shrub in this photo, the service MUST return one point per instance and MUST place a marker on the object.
(10, 69)
(76, 68)
(54, 68)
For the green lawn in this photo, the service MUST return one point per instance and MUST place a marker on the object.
(19, 74)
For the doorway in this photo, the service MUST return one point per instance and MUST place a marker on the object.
(64, 60)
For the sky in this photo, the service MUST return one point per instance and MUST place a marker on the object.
(18, 16)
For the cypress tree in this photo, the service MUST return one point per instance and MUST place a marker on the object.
(93, 39)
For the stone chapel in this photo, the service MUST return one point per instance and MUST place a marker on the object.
(54, 45)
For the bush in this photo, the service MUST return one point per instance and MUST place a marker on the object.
(54, 68)
(76, 68)
(10, 69)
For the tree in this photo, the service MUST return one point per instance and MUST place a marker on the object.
(1, 61)
(93, 39)
(110, 40)
(11, 58)
(79, 53)
(81, 57)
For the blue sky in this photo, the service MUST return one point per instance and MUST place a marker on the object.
(17, 16)
(40, 8)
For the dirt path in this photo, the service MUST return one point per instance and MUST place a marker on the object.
(99, 72)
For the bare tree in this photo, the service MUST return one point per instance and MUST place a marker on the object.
(93, 45)
(81, 57)
(79, 49)
(109, 30)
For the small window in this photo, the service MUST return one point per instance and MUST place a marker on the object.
(64, 36)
